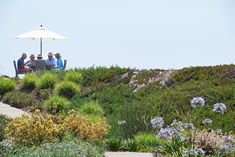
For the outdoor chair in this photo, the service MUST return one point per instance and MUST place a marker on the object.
(65, 63)
(16, 69)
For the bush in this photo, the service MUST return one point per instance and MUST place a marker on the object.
(33, 130)
(91, 108)
(18, 99)
(47, 80)
(56, 104)
(146, 142)
(3, 123)
(83, 128)
(62, 149)
(29, 81)
(43, 94)
(67, 89)
(74, 76)
(6, 85)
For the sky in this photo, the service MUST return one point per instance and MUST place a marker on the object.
(141, 34)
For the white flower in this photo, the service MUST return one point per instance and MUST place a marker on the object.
(197, 101)
(157, 122)
(193, 152)
(207, 121)
(219, 108)
(121, 122)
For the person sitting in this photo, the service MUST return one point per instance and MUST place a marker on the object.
(59, 62)
(50, 62)
(21, 64)
(32, 63)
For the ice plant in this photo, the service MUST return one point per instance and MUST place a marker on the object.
(219, 108)
(197, 102)
(157, 122)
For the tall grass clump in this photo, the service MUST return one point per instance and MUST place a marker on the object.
(146, 142)
(56, 104)
(29, 81)
(47, 80)
(67, 89)
(91, 108)
(74, 76)
(6, 85)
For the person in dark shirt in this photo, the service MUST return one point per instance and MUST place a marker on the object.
(21, 64)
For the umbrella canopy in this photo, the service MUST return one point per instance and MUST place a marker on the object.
(40, 33)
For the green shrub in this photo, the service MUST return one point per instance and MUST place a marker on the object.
(74, 76)
(43, 94)
(18, 99)
(48, 80)
(62, 149)
(146, 142)
(3, 123)
(92, 76)
(29, 81)
(91, 108)
(56, 104)
(6, 85)
(67, 89)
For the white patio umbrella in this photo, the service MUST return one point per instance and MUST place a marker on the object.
(40, 33)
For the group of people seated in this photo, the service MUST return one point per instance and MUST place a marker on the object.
(31, 64)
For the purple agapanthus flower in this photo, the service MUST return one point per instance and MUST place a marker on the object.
(157, 122)
(197, 102)
(219, 108)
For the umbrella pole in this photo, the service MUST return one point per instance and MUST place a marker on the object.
(40, 46)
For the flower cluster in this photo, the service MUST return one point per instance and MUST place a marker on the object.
(194, 152)
(197, 102)
(169, 133)
(121, 122)
(175, 129)
(207, 121)
(218, 131)
(219, 108)
(157, 122)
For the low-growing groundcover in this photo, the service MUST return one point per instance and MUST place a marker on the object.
(62, 149)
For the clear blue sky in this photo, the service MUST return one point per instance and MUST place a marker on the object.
(131, 33)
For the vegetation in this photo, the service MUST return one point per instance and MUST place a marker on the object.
(37, 129)
(56, 104)
(73, 76)
(18, 99)
(3, 123)
(47, 80)
(29, 81)
(67, 89)
(83, 128)
(61, 149)
(6, 85)
(117, 104)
